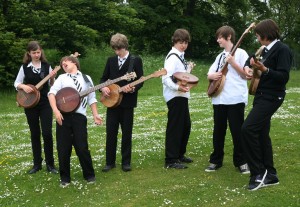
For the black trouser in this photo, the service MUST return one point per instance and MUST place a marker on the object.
(40, 117)
(114, 118)
(178, 129)
(255, 134)
(234, 114)
(73, 132)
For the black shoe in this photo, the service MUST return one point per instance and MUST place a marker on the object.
(34, 169)
(186, 159)
(257, 182)
(91, 180)
(126, 167)
(51, 169)
(108, 168)
(271, 179)
(175, 165)
(212, 167)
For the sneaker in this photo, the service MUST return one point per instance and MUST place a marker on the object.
(212, 167)
(64, 184)
(257, 182)
(271, 179)
(244, 169)
(91, 180)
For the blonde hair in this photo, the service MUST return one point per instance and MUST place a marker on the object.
(119, 41)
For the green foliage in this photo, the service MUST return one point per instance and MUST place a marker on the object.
(80, 25)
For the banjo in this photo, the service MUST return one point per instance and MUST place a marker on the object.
(68, 99)
(116, 95)
(216, 86)
(256, 73)
(29, 100)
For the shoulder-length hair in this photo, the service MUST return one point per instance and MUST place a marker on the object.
(33, 46)
(267, 29)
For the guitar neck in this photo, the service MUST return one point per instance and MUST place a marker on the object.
(134, 83)
(42, 82)
(97, 87)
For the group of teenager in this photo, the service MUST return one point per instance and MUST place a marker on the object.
(252, 147)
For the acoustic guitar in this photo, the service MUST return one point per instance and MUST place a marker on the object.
(116, 92)
(29, 100)
(216, 86)
(256, 73)
(185, 78)
(68, 99)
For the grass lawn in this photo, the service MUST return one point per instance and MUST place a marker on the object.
(149, 183)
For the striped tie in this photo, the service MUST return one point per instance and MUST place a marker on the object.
(35, 70)
(79, 88)
(183, 60)
(121, 61)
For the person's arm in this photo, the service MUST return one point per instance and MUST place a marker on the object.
(96, 116)
(58, 115)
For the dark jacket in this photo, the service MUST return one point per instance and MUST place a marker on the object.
(112, 71)
(279, 61)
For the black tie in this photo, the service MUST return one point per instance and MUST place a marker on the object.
(264, 52)
(79, 88)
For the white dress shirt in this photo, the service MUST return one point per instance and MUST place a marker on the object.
(64, 80)
(235, 89)
(173, 64)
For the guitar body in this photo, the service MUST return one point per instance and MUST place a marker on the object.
(216, 86)
(254, 81)
(186, 79)
(28, 100)
(115, 97)
(67, 99)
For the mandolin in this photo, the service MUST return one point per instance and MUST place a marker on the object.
(256, 73)
(216, 86)
(185, 78)
(116, 95)
(68, 99)
(29, 100)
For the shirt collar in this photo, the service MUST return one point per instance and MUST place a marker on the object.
(31, 65)
(272, 43)
(125, 57)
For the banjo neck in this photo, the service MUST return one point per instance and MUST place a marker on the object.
(42, 82)
(107, 83)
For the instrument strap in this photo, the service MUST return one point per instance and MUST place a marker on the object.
(185, 66)
(87, 80)
(130, 68)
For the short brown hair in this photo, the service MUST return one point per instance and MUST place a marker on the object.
(225, 32)
(267, 29)
(181, 35)
(119, 41)
(72, 59)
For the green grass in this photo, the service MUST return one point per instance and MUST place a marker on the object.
(149, 184)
